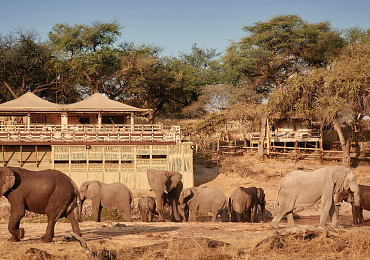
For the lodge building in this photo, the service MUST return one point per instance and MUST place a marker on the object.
(94, 139)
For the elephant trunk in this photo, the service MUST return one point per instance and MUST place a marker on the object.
(356, 194)
(80, 205)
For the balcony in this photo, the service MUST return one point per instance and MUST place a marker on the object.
(46, 134)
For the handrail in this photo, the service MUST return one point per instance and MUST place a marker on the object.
(88, 133)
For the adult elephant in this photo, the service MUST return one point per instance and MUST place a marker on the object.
(47, 192)
(300, 188)
(209, 199)
(147, 208)
(167, 186)
(112, 196)
(348, 196)
(243, 203)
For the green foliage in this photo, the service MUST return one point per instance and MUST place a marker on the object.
(274, 50)
(26, 65)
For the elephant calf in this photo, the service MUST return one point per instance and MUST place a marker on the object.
(147, 208)
(243, 204)
(347, 195)
(112, 196)
(204, 199)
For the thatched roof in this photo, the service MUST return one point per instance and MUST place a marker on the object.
(98, 102)
(29, 102)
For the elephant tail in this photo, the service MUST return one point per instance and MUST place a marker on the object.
(76, 202)
(230, 207)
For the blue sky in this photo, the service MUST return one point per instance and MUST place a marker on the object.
(176, 25)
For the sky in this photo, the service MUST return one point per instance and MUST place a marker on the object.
(176, 25)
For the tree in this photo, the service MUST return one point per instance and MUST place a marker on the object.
(275, 50)
(27, 64)
(89, 52)
(338, 96)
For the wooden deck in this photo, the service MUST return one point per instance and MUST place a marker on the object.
(87, 134)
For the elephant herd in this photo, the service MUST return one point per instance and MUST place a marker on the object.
(53, 193)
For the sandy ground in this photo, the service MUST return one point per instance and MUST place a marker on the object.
(133, 234)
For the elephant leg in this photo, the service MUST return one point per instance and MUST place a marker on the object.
(13, 225)
(253, 213)
(150, 216)
(160, 205)
(238, 216)
(96, 208)
(175, 216)
(74, 223)
(248, 215)
(334, 215)
(192, 214)
(233, 216)
(52, 215)
(214, 215)
(360, 216)
(223, 215)
(326, 209)
(285, 207)
(290, 219)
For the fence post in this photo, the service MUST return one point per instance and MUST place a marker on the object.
(296, 150)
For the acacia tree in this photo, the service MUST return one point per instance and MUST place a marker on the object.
(275, 50)
(338, 96)
(27, 64)
(90, 54)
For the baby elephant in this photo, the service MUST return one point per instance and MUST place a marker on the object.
(112, 196)
(147, 208)
(243, 204)
(204, 199)
(347, 195)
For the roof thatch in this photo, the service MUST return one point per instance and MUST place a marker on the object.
(98, 102)
(29, 102)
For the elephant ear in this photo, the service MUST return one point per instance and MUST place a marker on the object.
(338, 177)
(184, 194)
(92, 189)
(9, 180)
(173, 179)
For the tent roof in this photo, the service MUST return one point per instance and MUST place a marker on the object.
(29, 102)
(99, 102)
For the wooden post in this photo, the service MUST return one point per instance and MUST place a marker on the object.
(296, 150)
(37, 164)
(20, 156)
(3, 151)
(321, 153)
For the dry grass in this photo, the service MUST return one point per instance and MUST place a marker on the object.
(137, 240)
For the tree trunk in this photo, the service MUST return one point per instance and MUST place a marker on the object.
(261, 141)
(345, 144)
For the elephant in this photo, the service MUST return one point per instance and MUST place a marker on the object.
(347, 195)
(49, 192)
(300, 188)
(167, 186)
(209, 199)
(147, 208)
(243, 204)
(112, 196)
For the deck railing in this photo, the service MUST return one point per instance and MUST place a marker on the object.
(89, 133)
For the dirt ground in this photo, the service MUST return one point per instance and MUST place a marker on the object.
(243, 237)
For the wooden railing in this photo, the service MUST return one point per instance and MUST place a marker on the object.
(89, 133)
